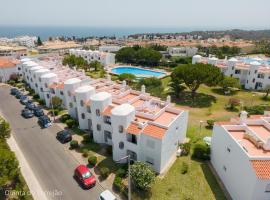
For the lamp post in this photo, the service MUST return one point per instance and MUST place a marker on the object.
(48, 91)
(129, 183)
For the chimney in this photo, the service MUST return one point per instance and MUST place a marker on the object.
(243, 116)
(143, 89)
(168, 100)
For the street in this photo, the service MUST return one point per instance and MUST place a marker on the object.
(52, 165)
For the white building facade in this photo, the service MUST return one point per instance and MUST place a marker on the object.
(253, 75)
(182, 51)
(240, 154)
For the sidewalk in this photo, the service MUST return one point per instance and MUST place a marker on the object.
(27, 173)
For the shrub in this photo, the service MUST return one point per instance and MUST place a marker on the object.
(256, 110)
(87, 138)
(232, 103)
(210, 123)
(109, 150)
(70, 123)
(142, 175)
(85, 153)
(185, 147)
(65, 117)
(201, 151)
(11, 82)
(41, 102)
(121, 173)
(74, 144)
(104, 172)
(117, 184)
(184, 168)
(92, 160)
(36, 96)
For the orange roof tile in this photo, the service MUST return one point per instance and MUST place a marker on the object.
(108, 111)
(262, 168)
(226, 123)
(57, 85)
(7, 63)
(154, 131)
(134, 129)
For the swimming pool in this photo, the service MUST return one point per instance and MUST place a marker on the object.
(249, 60)
(139, 72)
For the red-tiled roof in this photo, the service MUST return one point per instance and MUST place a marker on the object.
(7, 63)
(134, 129)
(154, 131)
(262, 168)
(57, 85)
(108, 111)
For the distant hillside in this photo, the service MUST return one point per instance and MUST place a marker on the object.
(234, 34)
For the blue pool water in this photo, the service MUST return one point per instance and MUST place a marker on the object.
(136, 71)
(249, 60)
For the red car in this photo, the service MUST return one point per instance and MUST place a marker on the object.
(85, 177)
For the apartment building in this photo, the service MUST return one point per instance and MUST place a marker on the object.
(103, 57)
(12, 51)
(184, 51)
(133, 122)
(253, 74)
(240, 154)
(8, 67)
(109, 48)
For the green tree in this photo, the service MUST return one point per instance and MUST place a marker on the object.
(129, 78)
(56, 102)
(142, 175)
(126, 55)
(229, 82)
(96, 65)
(4, 129)
(195, 75)
(201, 151)
(152, 85)
(267, 91)
(39, 42)
(8, 166)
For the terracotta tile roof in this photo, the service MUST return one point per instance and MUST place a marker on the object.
(262, 168)
(154, 131)
(57, 85)
(108, 111)
(7, 63)
(134, 129)
(226, 123)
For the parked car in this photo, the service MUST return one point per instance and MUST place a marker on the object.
(23, 99)
(30, 105)
(107, 195)
(26, 113)
(18, 95)
(38, 112)
(44, 121)
(14, 91)
(64, 136)
(85, 177)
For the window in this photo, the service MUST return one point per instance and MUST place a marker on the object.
(48, 96)
(61, 92)
(74, 98)
(224, 168)
(71, 105)
(149, 160)
(98, 112)
(253, 80)
(150, 143)
(19, 68)
(121, 145)
(98, 127)
(88, 109)
(46, 85)
(41, 89)
(83, 116)
(39, 79)
(233, 68)
(237, 71)
(81, 102)
(107, 119)
(260, 76)
(249, 73)
(121, 129)
(36, 85)
(247, 81)
(267, 188)
(256, 71)
(228, 149)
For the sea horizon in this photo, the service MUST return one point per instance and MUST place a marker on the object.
(83, 31)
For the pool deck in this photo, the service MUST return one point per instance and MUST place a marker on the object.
(111, 67)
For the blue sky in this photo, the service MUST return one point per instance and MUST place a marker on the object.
(138, 13)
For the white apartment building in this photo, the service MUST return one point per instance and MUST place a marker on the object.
(133, 122)
(182, 51)
(254, 75)
(28, 41)
(8, 67)
(110, 49)
(103, 57)
(240, 154)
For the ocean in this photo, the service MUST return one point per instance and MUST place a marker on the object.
(46, 31)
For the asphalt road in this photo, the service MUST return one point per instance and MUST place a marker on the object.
(52, 165)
